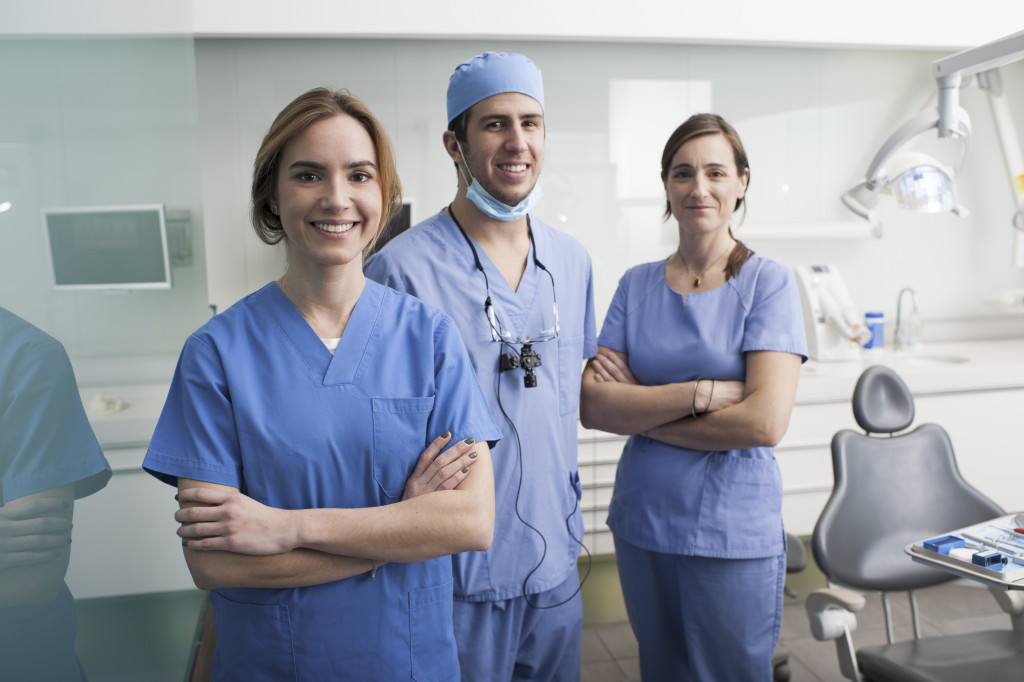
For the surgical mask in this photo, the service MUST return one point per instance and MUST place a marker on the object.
(493, 208)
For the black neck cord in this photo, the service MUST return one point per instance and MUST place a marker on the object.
(515, 432)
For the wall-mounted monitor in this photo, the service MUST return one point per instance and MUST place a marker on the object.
(108, 247)
(399, 223)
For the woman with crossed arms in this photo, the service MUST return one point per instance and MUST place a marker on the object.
(698, 361)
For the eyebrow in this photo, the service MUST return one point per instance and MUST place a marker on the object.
(319, 166)
(706, 165)
(504, 117)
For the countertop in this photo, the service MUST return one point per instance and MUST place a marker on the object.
(938, 368)
(935, 368)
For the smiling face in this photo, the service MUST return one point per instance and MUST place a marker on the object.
(703, 185)
(329, 194)
(504, 147)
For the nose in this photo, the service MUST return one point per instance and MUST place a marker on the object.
(335, 196)
(516, 139)
(699, 188)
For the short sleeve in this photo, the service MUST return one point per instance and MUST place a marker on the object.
(775, 322)
(196, 436)
(378, 267)
(45, 437)
(613, 330)
(589, 319)
(459, 404)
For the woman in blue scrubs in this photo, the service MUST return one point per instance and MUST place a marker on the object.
(295, 424)
(698, 361)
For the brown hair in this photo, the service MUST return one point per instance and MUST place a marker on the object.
(302, 112)
(699, 125)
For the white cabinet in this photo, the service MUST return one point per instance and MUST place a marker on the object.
(124, 538)
(985, 427)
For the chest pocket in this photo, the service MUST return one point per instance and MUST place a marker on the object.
(399, 436)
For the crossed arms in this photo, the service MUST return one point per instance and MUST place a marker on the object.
(231, 540)
(735, 414)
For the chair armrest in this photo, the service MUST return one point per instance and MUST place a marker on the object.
(1012, 602)
(832, 614)
(833, 597)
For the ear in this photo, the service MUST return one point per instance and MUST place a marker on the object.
(743, 182)
(451, 146)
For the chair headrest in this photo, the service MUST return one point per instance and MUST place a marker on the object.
(882, 403)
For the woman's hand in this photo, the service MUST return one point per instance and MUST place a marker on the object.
(226, 519)
(220, 518)
(611, 367)
(436, 470)
(33, 531)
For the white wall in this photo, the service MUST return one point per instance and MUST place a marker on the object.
(98, 122)
(108, 121)
(811, 120)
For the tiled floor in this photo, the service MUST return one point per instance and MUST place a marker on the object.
(609, 652)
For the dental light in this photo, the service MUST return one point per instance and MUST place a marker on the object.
(916, 180)
(920, 182)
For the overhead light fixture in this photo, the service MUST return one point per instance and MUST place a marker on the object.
(916, 180)
(929, 185)
(5, 206)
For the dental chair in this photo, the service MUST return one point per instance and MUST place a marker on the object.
(893, 488)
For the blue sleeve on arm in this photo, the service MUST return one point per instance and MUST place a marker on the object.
(196, 436)
(775, 322)
(613, 330)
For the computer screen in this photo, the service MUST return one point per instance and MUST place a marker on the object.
(399, 223)
(108, 247)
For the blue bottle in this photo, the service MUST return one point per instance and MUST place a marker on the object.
(875, 322)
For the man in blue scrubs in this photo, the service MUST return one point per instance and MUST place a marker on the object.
(498, 271)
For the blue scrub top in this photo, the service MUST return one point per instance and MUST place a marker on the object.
(725, 504)
(45, 438)
(259, 403)
(433, 262)
(46, 442)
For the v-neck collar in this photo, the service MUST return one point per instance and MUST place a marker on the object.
(513, 306)
(342, 366)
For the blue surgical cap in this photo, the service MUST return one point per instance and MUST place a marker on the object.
(492, 73)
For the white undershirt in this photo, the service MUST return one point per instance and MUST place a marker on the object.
(332, 344)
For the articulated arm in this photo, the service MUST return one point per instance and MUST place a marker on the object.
(831, 612)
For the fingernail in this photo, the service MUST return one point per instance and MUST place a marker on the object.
(469, 441)
(472, 455)
(466, 470)
(184, 543)
(446, 434)
(175, 497)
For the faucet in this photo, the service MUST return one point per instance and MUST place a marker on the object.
(906, 334)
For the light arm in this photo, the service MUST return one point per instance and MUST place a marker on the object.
(949, 71)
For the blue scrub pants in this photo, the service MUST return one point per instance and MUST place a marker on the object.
(700, 619)
(511, 640)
